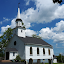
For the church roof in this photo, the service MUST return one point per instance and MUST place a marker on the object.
(11, 49)
(32, 40)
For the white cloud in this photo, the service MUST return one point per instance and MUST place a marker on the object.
(59, 13)
(46, 33)
(30, 32)
(59, 37)
(59, 30)
(13, 23)
(4, 28)
(44, 12)
(27, 2)
(5, 19)
(59, 26)
(55, 33)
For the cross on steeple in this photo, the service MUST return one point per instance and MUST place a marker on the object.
(18, 5)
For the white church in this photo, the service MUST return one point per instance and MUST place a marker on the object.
(27, 47)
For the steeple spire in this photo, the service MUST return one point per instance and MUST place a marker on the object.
(18, 16)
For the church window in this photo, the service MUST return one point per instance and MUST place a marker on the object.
(49, 51)
(37, 50)
(13, 53)
(21, 30)
(14, 42)
(43, 51)
(30, 50)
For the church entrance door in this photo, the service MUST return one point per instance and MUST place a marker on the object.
(7, 55)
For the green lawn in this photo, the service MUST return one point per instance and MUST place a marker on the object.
(55, 63)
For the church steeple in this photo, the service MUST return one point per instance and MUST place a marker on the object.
(20, 28)
(18, 20)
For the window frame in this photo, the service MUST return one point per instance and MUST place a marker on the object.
(49, 51)
(14, 43)
(43, 51)
(13, 53)
(37, 51)
(31, 51)
(21, 30)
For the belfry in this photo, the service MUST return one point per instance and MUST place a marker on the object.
(20, 28)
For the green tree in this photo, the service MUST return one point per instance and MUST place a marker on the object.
(57, 1)
(36, 36)
(0, 47)
(60, 58)
(5, 38)
(22, 23)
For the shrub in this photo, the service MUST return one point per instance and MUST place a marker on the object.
(23, 26)
(22, 23)
(18, 58)
(22, 60)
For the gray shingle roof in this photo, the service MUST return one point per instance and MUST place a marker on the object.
(32, 40)
(12, 49)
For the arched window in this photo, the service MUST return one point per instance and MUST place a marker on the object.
(30, 50)
(43, 51)
(49, 51)
(21, 30)
(37, 50)
(14, 42)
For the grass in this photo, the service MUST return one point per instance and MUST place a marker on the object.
(54, 63)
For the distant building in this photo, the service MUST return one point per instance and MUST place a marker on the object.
(54, 59)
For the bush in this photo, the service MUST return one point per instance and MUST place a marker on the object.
(2, 55)
(22, 60)
(18, 58)
(22, 23)
(23, 26)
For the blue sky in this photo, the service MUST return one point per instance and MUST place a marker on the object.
(40, 17)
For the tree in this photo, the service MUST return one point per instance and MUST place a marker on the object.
(0, 47)
(57, 1)
(60, 58)
(5, 38)
(36, 36)
(22, 23)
